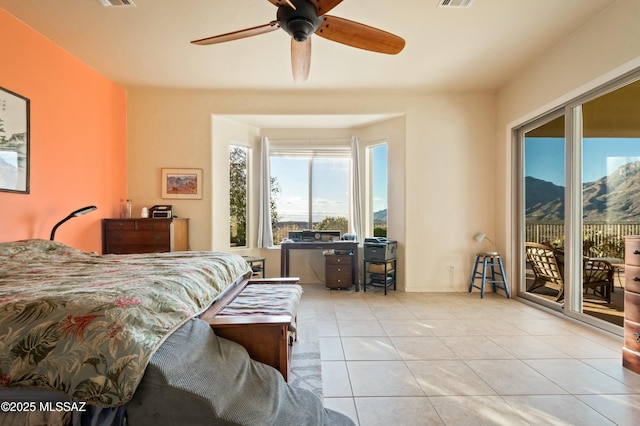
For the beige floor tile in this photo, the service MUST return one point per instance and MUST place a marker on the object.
(397, 411)
(327, 328)
(556, 410)
(345, 406)
(353, 328)
(422, 348)
(544, 327)
(453, 327)
(475, 347)
(354, 313)
(528, 347)
(623, 410)
(580, 347)
(475, 411)
(335, 380)
(369, 348)
(392, 313)
(406, 328)
(331, 349)
(430, 312)
(498, 327)
(382, 378)
(443, 378)
(513, 377)
(613, 368)
(576, 377)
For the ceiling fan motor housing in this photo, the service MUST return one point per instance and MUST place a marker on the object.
(300, 22)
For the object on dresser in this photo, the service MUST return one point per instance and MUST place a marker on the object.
(161, 211)
(129, 236)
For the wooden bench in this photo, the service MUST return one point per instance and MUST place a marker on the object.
(268, 332)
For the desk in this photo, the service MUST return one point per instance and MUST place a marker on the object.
(329, 245)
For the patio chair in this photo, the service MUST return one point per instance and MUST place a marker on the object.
(548, 270)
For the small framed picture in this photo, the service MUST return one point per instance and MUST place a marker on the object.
(184, 184)
(14, 142)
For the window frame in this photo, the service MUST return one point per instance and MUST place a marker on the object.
(248, 189)
(310, 150)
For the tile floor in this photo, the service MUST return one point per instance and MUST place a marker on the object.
(455, 359)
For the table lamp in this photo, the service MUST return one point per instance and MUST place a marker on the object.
(481, 236)
(73, 214)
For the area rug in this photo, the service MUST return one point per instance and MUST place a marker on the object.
(306, 369)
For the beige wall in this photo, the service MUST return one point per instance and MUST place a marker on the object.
(451, 176)
(605, 48)
(442, 165)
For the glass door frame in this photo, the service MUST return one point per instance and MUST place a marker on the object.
(572, 111)
(519, 205)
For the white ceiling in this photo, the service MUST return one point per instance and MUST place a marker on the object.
(476, 48)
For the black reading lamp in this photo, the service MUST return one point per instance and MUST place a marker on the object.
(76, 213)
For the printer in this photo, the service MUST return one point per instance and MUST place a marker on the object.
(379, 248)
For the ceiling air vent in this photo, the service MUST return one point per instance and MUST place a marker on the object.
(117, 3)
(454, 3)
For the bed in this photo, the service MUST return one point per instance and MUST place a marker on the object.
(120, 334)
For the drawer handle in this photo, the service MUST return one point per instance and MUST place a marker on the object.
(636, 251)
(339, 269)
(636, 278)
(637, 337)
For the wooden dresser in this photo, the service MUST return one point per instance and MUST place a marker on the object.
(631, 350)
(127, 236)
(339, 271)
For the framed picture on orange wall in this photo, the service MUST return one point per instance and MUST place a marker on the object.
(185, 184)
(14, 142)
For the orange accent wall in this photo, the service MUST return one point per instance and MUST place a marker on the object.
(78, 140)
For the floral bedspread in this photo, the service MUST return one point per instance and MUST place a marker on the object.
(87, 324)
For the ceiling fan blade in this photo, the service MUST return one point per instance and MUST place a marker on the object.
(359, 35)
(248, 32)
(322, 6)
(279, 3)
(300, 59)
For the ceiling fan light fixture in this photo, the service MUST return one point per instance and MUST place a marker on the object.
(299, 21)
(300, 29)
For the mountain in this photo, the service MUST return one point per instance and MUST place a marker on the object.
(612, 198)
(544, 201)
(380, 216)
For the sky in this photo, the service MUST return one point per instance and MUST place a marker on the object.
(544, 157)
(330, 185)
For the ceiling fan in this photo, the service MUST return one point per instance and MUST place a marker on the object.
(303, 18)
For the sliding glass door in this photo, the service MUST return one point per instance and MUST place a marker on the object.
(543, 188)
(610, 146)
(579, 179)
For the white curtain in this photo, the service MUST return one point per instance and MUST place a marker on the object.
(265, 234)
(355, 210)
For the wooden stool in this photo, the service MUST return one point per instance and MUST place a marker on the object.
(491, 259)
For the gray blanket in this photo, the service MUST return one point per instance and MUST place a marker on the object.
(197, 378)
